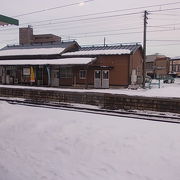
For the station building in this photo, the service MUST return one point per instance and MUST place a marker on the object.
(40, 60)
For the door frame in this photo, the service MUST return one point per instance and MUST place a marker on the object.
(103, 82)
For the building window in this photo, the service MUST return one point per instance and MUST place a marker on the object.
(174, 68)
(105, 74)
(97, 74)
(65, 72)
(178, 68)
(82, 74)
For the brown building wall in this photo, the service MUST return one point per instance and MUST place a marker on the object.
(162, 66)
(118, 75)
(66, 81)
(45, 38)
(25, 36)
(175, 67)
(120, 69)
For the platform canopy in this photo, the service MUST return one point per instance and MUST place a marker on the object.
(5, 20)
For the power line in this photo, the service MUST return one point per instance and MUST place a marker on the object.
(93, 18)
(164, 40)
(80, 26)
(127, 9)
(116, 34)
(114, 30)
(165, 44)
(88, 24)
(73, 17)
(112, 34)
(100, 13)
(107, 31)
(161, 10)
(104, 17)
(161, 25)
(105, 12)
(165, 14)
(49, 9)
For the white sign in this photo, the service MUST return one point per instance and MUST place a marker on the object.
(26, 71)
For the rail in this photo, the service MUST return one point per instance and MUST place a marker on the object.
(173, 118)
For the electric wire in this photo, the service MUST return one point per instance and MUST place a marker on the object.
(127, 9)
(53, 8)
(151, 12)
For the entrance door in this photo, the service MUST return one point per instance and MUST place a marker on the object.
(101, 79)
(105, 79)
(97, 79)
(54, 78)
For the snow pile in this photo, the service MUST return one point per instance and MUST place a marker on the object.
(42, 144)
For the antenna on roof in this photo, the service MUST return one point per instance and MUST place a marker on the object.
(104, 41)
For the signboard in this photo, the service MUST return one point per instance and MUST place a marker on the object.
(26, 71)
(32, 77)
(5, 20)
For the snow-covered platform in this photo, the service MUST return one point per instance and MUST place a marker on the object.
(166, 90)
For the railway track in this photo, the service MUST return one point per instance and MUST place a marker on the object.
(160, 117)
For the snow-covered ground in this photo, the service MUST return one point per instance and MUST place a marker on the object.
(47, 144)
(166, 90)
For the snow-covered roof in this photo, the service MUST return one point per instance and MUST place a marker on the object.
(65, 61)
(99, 52)
(31, 51)
(176, 58)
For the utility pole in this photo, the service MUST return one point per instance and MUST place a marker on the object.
(144, 47)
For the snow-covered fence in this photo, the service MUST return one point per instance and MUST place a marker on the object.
(103, 100)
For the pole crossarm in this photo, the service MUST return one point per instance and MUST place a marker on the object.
(5, 20)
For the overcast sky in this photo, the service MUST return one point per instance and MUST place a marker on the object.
(163, 26)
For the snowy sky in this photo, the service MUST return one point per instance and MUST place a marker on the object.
(116, 29)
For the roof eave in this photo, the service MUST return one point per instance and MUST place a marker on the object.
(5, 20)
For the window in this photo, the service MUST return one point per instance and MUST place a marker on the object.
(174, 68)
(82, 74)
(65, 72)
(178, 68)
(105, 74)
(97, 74)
